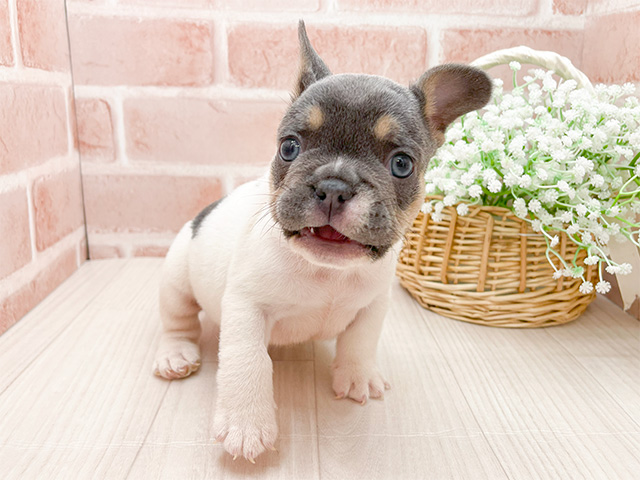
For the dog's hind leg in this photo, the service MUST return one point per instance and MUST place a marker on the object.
(178, 352)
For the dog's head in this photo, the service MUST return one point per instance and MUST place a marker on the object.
(347, 180)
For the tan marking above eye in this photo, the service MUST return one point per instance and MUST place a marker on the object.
(384, 126)
(316, 117)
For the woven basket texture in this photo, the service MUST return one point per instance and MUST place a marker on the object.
(489, 268)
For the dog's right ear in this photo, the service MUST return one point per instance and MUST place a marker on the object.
(312, 68)
(448, 91)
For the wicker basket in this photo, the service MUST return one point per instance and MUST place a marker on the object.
(489, 267)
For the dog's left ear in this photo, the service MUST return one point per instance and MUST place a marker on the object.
(312, 68)
(449, 91)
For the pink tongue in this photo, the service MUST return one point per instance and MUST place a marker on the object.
(329, 233)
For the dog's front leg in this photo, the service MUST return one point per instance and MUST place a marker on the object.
(245, 417)
(355, 374)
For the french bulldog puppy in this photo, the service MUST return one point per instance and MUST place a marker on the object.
(309, 250)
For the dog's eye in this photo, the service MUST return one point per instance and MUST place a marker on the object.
(401, 165)
(289, 149)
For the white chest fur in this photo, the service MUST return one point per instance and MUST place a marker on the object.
(321, 309)
(238, 247)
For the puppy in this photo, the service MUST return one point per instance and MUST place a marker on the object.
(309, 250)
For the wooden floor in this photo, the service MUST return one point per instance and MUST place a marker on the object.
(78, 400)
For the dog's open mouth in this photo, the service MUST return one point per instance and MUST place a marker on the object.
(326, 233)
(326, 242)
(330, 241)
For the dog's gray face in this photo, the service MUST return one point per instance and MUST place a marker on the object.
(348, 176)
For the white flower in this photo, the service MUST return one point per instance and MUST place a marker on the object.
(520, 207)
(597, 180)
(548, 83)
(534, 205)
(542, 174)
(545, 217)
(578, 173)
(576, 272)
(612, 269)
(494, 185)
(525, 181)
(586, 288)
(566, 217)
(517, 145)
(467, 178)
(488, 146)
(549, 196)
(475, 191)
(587, 144)
(616, 183)
(515, 66)
(614, 229)
(449, 200)
(536, 225)
(511, 179)
(603, 237)
(426, 208)
(581, 209)
(454, 133)
(563, 186)
(475, 169)
(624, 269)
(573, 229)
(612, 127)
(554, 241)
(603, 287)
(462, 209)
(489, 174)
(614, 90)
(585, 163)
(557, 274)
(591, 260)
(623, 151)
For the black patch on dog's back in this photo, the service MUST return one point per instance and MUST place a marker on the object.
(195, 224)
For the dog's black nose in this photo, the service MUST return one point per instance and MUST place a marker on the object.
(332, 194)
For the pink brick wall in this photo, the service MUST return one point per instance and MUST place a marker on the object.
(41, 220)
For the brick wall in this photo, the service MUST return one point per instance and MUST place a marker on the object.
(42, 237)
(178, 101)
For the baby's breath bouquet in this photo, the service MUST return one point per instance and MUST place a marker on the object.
(562, 158)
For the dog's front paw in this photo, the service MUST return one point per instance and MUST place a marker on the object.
(245, 434)
(176, 358)
(358, 382)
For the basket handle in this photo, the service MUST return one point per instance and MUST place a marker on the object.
(549, 60)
